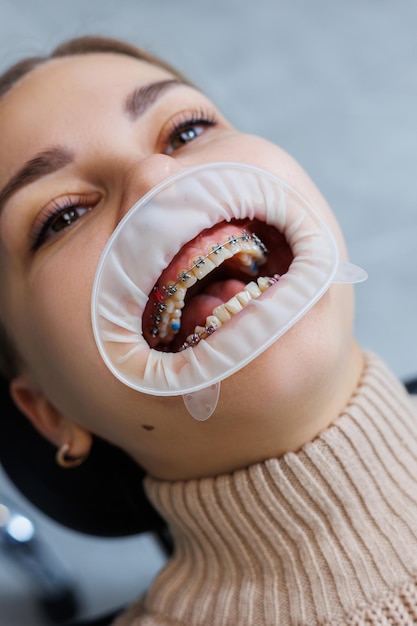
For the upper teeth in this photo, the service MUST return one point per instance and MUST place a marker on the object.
(170, 299)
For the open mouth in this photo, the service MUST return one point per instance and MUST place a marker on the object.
(212, 279)
(203, 274)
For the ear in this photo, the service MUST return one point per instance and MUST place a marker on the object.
(49, 422)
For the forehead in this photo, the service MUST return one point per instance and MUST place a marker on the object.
(92, 69)
(56, 95)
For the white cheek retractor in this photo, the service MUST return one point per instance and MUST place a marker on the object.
(181, 213)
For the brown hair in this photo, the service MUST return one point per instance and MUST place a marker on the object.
(9, 359)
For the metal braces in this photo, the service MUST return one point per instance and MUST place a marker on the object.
(161, 297)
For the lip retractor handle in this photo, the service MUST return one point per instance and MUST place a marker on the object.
(202, 404)
(349, 273)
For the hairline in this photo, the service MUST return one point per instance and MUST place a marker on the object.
(52, 60)
(77, 47)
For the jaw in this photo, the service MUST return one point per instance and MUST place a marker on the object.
(159, 246)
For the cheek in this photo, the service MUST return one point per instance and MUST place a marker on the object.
(51, 320)
(57, 341)
(59, 328)
(60, 349)
(79, 384)
(59, 284)
(305, 358)
(259, 152)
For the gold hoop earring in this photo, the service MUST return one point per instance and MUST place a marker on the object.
(66, 460)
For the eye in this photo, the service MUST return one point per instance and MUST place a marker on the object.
(186, 129)
(60, 215)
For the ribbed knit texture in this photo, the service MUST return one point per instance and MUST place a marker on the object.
(327, 535)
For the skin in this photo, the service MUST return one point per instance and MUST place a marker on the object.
(275, 404)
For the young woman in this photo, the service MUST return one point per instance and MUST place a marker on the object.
(295, 503)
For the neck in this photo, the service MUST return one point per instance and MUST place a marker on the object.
(317, 532)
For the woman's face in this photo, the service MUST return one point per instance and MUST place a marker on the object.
(83, 138)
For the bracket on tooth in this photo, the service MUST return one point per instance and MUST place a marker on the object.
(171, 290)
(185, 275)
(192, 340)
(260, 243)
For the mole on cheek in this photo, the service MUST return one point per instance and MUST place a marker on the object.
(147, 427)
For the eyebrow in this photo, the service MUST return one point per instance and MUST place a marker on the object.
(42, 164)
(139, 101)
(55, 158)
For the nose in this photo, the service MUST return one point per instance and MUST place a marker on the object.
(147, 174)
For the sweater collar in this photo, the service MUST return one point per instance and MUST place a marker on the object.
(301, 538)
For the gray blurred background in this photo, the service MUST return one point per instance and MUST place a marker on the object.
(335, 84)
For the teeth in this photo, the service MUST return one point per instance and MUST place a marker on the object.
(224, 312)
(179, 294)
(248, 245)
(233, 305)
(202, 267)
(246, 259)
(187, 278)
(212, 320)
(249, 252)
(263, 283)
(220, 254)
(249, 264)
(244, 297)
(170, 304)
(253, 289)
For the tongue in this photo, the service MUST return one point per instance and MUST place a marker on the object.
(200, 307)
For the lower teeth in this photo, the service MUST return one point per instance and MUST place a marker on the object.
(226, 311)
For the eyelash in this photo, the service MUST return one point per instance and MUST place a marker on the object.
(51, 214)
(184, 122)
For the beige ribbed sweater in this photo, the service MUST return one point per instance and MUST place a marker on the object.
(327, 535)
